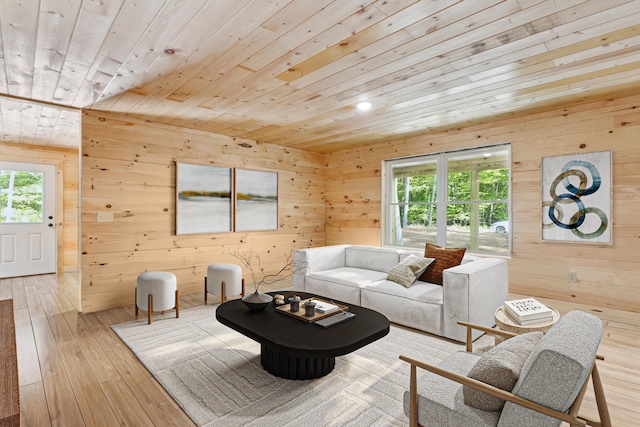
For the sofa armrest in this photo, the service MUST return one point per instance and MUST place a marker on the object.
(316, 259)
(472, 293)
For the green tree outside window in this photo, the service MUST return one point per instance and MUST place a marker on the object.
(21, 196)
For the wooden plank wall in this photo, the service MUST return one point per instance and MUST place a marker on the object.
(128, 169)
(606, 275)
(67, 164)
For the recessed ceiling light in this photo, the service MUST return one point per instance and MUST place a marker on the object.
(364, 105)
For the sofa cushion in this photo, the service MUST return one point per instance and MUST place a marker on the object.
(501, 368)
(419, 306)
(342, 284)
(371, 258)
(348, 276)
(408, 270)
(444, 258)
(420, 291)
(324, 258)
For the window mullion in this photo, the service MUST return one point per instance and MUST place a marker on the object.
(443, 195)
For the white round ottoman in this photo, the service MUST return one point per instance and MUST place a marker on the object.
(223, 280)
(157, 291)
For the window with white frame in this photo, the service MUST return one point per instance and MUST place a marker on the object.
(453, 199)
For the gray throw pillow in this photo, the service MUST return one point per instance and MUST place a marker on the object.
(501, 368)
(408, 270)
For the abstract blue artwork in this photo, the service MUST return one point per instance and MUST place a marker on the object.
(576, 198)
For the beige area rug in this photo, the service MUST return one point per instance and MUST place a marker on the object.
(214, 374)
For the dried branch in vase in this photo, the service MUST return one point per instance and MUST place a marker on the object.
(253, 262)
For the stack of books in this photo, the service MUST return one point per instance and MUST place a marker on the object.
(325, 307)
(527, 311)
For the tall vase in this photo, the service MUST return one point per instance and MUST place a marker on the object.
(257, 301)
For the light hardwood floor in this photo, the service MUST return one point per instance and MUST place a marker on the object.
(74, 371)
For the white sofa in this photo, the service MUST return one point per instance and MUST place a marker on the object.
(471, 292)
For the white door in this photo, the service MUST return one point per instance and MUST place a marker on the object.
(27, 222)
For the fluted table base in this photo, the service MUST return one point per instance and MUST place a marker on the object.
(292, 367)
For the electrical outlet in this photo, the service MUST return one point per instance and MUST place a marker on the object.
(571, 277)
(105, 216)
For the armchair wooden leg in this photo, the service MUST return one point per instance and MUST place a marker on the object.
(242, 287)
(222, 292)
(601, 402)
(136, 298)
(573, 410)
(205, 290)
(413, 398)
(150, 308)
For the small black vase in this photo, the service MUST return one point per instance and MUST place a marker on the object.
(257, 301)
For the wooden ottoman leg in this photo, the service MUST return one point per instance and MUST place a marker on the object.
(177, 303)
(222, 293)
(150, 308)
(205, 290)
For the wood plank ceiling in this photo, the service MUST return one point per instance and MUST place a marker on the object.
(291, 72)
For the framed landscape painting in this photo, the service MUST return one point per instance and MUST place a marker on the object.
(256, 200)
(203, 202)
(576, 198)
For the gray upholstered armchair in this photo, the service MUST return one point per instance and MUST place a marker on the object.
(549, 384)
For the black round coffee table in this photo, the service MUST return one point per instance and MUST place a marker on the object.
(296, 350)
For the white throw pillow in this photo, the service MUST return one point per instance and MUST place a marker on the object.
(408, 270)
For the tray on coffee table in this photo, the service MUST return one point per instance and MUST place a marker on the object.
(286, 309)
